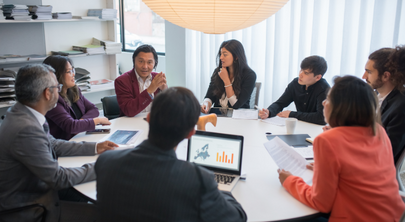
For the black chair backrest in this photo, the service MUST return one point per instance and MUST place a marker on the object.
(110, 107)
(254, 98)
(30, 213)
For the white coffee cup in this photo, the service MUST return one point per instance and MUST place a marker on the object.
(290, 124)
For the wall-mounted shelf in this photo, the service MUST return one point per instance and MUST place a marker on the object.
(56, 20)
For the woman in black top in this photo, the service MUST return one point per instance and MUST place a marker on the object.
(233, 80)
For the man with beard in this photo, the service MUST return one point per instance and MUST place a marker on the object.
(385, 72)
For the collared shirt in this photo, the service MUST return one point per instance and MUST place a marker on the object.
(308, 102)
(143, 85)
(381, 98)
(41, 118)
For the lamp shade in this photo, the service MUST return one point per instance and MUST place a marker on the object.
(215, 16)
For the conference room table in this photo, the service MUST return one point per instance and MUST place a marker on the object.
(261, 194)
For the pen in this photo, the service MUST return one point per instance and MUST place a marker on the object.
(256, 107)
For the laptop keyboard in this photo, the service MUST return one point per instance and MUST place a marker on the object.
(224, 179)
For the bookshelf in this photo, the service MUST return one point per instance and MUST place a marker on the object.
(43, 36)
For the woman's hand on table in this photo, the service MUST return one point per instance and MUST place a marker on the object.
(101, 120)
(310, 166)
(282, 175)
(326, 128)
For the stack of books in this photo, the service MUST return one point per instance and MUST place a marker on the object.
(1, 13)
(16, 12)
(62, 15)
(105, 13)
(7, 82)
(69, 53)
(90, 49)
(82, 79)
(40, 12)
(9, 58)
(109, 46)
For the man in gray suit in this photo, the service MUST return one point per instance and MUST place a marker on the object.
(149, 183)
(29, 170)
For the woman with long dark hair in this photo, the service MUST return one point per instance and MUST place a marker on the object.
(233, 80)
(354, 173)
(73, 113)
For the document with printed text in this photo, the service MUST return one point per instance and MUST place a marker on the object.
(288, 159)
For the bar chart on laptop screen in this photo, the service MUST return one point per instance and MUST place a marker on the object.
(218, 152)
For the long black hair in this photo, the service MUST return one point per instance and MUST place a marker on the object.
(59, 63)
(239, 64)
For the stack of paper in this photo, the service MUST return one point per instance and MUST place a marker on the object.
(245, 114)
(1, 13)
(9, 58)
(40, 12)
(36, 58)
(106, 13)
(62, 15)
(16, 12)
(109, 46)
(69, 53)
(278, 121)
(288, 159)
(7, 82)
(90, 49)
(82, 79)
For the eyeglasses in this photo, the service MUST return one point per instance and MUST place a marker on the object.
(59, 86)
(72, 71)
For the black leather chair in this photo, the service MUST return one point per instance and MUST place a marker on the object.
(110, 107)
(254, 98)
(30, 213)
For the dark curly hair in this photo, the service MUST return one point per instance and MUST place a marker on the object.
(396, 66)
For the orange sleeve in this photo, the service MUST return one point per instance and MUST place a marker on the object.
(321, 195)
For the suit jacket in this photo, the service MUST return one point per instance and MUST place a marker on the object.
(149, 184)
(393, 121)
(29, 170)
(62, 120)
(130, 101)
(247, 86)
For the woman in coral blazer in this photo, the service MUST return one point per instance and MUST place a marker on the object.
(354, 173)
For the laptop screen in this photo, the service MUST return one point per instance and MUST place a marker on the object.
(216, 151)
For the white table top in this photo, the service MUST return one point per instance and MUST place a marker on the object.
(261, 195)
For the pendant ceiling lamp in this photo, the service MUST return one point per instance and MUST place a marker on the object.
(215, 16)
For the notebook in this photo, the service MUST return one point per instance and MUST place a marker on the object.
(221, 153)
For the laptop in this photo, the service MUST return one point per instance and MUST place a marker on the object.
(220, 153)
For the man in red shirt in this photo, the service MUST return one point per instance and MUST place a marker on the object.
(136, 88)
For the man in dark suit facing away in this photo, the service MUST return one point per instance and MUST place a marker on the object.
(29, 170)
(149, 183)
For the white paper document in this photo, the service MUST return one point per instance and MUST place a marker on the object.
(288, 159)
(306, 152)
(245, 114)
(278, 121)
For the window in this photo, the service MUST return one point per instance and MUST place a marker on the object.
(140, 25)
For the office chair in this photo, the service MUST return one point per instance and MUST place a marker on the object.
(110, 107)
(398, 167)
(30, 213)
(254, 98)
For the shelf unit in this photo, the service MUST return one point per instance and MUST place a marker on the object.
(43, 36)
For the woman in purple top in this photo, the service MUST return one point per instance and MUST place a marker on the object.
(73, 113)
